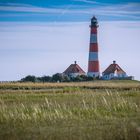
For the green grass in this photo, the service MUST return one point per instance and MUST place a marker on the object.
(98, 110)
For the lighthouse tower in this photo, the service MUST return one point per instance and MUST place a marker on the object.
(93, 62)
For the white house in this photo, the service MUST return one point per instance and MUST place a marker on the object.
(74, 70)
(114, 71)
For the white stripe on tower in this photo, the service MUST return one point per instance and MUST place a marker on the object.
(93, 38)
(93, 63)
(93, 56)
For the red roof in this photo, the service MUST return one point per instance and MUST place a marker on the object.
(74, 68)
(112, 68)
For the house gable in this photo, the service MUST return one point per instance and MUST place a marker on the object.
(114, 71)
(74, 70)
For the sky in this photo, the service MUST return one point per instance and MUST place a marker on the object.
(45, 37)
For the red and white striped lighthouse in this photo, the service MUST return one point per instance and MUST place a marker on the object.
(93, 62)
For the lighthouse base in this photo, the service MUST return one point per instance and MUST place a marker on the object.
(93, 74)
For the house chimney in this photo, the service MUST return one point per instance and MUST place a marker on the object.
(75, 62)
(114, 62)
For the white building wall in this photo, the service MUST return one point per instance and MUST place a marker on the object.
(93, 74)
(114, 75)
(75, 74)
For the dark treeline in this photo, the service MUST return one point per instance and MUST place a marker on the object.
(58, 77)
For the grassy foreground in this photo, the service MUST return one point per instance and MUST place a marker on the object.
(101, 110)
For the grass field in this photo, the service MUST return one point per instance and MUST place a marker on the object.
(100, 110)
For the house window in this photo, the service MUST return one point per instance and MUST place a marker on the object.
(111, 75)
(115, 73)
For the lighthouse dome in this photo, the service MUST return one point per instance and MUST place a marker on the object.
(94, 22)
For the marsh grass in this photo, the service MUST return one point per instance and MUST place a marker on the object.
(120, 84)
(70, 113)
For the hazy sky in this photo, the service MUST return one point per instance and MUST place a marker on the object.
(45, 37)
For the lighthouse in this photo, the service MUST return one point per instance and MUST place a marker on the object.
(93, 62)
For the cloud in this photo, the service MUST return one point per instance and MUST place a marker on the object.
(87, 1)
(33, 9)
(127, 10)
(15, 4)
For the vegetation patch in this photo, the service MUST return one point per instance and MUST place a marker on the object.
(70, 111)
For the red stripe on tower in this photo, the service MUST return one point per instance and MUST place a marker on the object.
(93, 47)
(93, 63)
